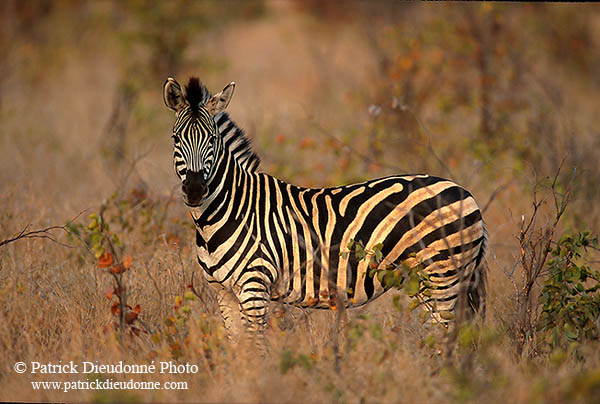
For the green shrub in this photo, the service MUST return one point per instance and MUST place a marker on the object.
(570, 298)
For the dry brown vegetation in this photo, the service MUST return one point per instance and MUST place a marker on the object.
(495, 97)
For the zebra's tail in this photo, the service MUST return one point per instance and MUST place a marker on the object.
(475, 296)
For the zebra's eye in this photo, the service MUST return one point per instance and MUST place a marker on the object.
(175, 137)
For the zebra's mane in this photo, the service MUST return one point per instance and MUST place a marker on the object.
(237, 142)
(234, 137)
(196, 93)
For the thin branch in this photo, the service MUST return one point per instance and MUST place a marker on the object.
(496, 192)
(42, 233)
(194, 291)
(131, 169)
(355, 152)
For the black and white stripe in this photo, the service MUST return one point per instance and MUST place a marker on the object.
(261, 239)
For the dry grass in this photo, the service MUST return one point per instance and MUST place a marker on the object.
(300, 81)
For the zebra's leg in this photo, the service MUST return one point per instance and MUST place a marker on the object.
(230, 308)
(254, 297)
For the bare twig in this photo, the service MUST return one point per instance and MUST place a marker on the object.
(194, 291)
(131, 169)
(45, 233)
(496, 192)
(429, 143)
(355, 152)
(535, 241)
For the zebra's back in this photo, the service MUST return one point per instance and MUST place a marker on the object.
(411, 219)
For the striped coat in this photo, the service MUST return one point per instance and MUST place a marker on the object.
(260, 239)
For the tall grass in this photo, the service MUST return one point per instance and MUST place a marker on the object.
(306, 79)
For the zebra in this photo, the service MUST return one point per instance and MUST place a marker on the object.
(260, 239)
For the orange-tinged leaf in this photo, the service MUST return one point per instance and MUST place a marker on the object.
(105, 260)
(172, 238)
(307, 142)
(280, 138)
(406, 63)
(130, 317)
(109, 293)
(114, 309)
(375, 168)
(312, 301)
(117, 269)
(127, 261)
(137, 308)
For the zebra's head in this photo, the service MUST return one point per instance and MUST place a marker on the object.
(195, 134)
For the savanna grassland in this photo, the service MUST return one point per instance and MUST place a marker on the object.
(502, 98)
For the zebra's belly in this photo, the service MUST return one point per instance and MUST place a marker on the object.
(352, 284)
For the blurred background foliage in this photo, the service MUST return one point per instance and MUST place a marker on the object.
(481, 92)
(498, 97)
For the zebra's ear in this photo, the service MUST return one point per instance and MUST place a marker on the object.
(173, 95)
(219, 101)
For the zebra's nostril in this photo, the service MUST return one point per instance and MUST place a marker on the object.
(193, 187)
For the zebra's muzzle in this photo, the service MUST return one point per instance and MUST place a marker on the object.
(193, 188)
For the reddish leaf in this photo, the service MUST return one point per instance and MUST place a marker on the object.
(306, 142)
(114, 309)
(105, 260)
(130, 317)
(127, 261)
(173, 240)
(280, 138)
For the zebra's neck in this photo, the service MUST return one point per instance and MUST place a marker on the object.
(236, 142)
